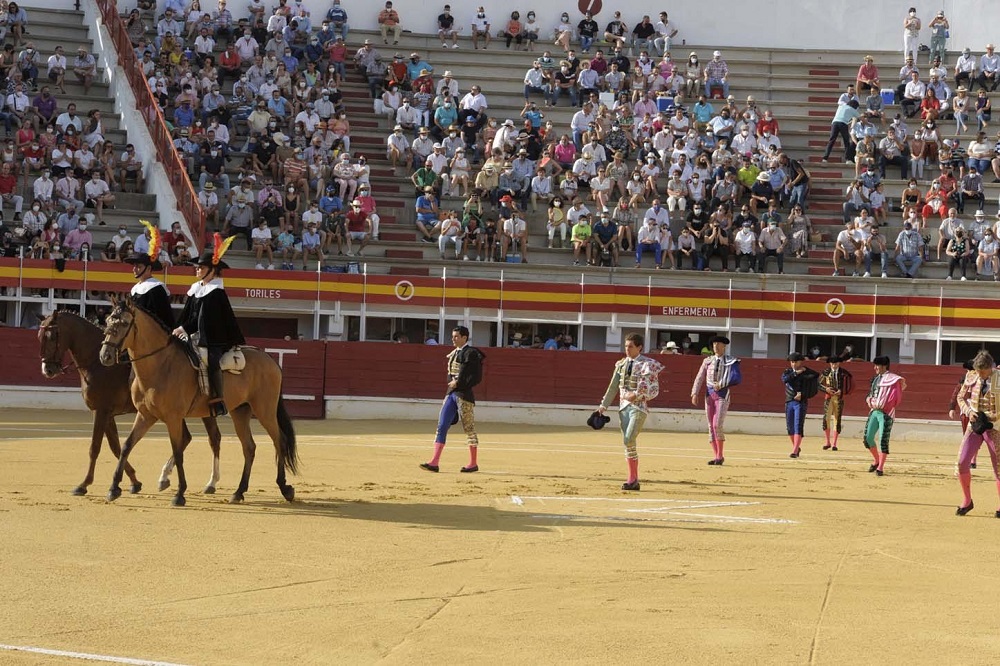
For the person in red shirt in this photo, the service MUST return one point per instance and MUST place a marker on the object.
(767, 124)
(172, 237)
(358, 228)
(229, 63)
(868, 77)
(8, 190)
(369, 207)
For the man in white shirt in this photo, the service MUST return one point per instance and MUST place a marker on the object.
(989, 65)
(648, 240)
(913, 94)
(846, 248)
(57, 68)
(448, 85)
(473, 105)
(965, 69)
(745, 242)
(261, 238)
(69, 117)
(581, 122)
(480, 29)
(665, 32)
(515, 232)
(98, 195)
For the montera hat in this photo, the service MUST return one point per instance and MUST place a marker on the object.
(718, 338)
(598, 420)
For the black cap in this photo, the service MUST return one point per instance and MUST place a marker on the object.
(881, 360)
(795, 356)
(718, 338)
(968, 365)
(206, 260)
(143, 260)
(838, 358)
(598, 420)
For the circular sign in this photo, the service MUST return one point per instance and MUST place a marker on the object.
(835, 308)
(404, 290)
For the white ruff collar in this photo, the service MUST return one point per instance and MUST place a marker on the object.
(146, 285)
(198, 289)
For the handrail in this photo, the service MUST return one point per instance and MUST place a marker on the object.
(146, 105)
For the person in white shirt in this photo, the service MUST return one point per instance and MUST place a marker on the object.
(989, 68)
(451, 232)
(98, 195)
(473, 105)
(987, 261)
(515, 232)
(745, 243)
(480, 29)
(42, 189)
(448, 85)
(398, 148)
(665, 32)
(57, 69)
(847, 247)
(949, 226)
(965, 69)
(261, 238)
(648, 240)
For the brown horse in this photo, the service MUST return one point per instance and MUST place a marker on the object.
(166, 389)
(105, 391)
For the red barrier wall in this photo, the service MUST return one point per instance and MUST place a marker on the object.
(316, 369)
(536, 376)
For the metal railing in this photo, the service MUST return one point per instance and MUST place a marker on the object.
(146, 105)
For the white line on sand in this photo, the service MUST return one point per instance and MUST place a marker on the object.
(85, 656)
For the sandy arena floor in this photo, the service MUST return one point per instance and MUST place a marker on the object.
(539, 558)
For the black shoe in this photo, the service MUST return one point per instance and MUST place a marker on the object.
(997, 514)
(835, 448)
(429, 467)
(879, 472)
(631, 486)
(469, 469)
(872, 468)
(972, 465)
(793, 454)
(962, 510)
(826, 447)
(713, 462)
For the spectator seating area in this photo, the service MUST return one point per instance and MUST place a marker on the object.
(801, 88)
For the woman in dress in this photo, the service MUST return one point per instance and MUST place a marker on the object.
(556, 221)
(800, 228)
(600, 188)
(135, 27)
(460, 172)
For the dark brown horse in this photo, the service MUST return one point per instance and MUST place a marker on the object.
(166, 389)
(106, 391)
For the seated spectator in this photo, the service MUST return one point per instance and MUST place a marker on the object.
(427, 221)
(909, 250)
(868, 79)
(849, 247)
(515, 235)
(311, 244)
(959, 252)
(388, 20)
(875, 247)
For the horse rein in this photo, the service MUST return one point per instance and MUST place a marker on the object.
(117, 346)
(63, 369)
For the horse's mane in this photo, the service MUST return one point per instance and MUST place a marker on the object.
(163, 325)
(70, 313)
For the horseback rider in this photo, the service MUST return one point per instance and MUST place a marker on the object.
(149, 293)
(208, 314)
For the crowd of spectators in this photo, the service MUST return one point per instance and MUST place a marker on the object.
(943, 172)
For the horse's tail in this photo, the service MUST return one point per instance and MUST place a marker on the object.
(287, 452)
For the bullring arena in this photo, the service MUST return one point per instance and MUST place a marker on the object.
(538, 558)
(538, 554)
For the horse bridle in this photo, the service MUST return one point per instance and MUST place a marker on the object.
(117, 346)
(42, 331)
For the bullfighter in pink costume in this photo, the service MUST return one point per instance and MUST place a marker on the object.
(884, 396)
(717, 375)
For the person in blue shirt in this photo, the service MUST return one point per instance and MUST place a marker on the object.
(702, 111)
(314, 50)
(842, 120)
(184, 115)
(337, 15)
(290, 61)
(445, 116)
(415, 65)
(278, 105)
(531, 113)
(330, 203)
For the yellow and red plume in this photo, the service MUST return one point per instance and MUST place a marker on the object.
(155, 240)
(220, 247)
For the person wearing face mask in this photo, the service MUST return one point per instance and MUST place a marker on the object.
(987, 261)
(212, 167)
(76, 239)
(911, 34)
(771, 243)
(481, 29)
(909, 250)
